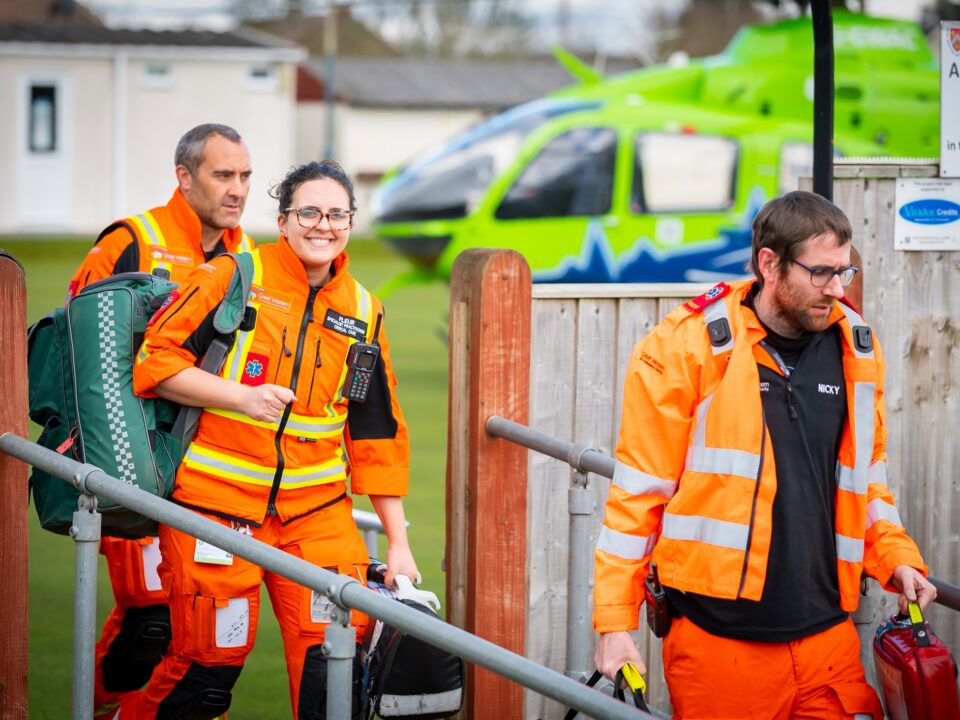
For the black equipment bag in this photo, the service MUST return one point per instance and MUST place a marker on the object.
(405, 676)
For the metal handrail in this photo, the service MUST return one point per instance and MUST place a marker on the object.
(580, 457)
(345, 592)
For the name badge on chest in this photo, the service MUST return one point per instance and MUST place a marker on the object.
(345, 325)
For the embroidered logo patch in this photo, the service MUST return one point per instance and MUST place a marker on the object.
(349, 326)
(280, 301)
(162, 254)
(255, 369)
(171, 299)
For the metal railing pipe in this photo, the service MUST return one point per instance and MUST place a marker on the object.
(344, 591)
(583, 458)
(85, 532)
(579, 457)
(581, 505)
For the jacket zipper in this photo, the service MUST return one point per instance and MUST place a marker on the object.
(317, 366)
(304, 324)
(753, 507)
(285, 353)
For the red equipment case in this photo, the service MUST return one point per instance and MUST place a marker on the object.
(915, 669)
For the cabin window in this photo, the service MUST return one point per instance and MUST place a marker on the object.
(571, 176)
(43, 119)
(796, 161)
(683, 173)
(263, 77)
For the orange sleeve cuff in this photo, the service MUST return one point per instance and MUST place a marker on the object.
(614, 618)
(392, 481)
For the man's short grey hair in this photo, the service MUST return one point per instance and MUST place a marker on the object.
(190, 148)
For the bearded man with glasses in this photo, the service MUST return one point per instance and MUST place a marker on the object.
(751, 473)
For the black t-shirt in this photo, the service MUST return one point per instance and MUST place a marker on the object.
(805, 417)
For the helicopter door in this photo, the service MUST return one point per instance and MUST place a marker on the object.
(557, 201)
(682, 210)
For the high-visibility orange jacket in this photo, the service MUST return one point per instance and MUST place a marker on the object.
(695, 478)
(165, 237)
(235, 467)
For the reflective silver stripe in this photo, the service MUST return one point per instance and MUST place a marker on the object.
(364, 309)
(715, 311)
(244, 471)
(877, 474)
(847, 480)
(723, 462)
(299, 425)
(705, 530)
(636, 482)
(853, 317)
(628, 547)
(849, 549)
(412, 705)
(148, 228)
(881, 510)
(863, 427)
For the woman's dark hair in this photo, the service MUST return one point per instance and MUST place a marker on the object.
(284, 190)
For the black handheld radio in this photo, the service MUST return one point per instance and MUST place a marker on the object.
(361, 361)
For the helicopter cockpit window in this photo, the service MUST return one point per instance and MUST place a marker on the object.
(796, 161)
(450, 182)
(572, 175)
(683, 173)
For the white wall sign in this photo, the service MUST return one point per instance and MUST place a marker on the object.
(950, 99)
(928, 215)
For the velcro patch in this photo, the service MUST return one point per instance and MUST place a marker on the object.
(345, 325)
(698, 303)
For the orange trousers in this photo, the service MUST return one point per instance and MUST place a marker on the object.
(815, 677)
(215, 608)
(131, 642)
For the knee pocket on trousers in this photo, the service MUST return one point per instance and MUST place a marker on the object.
(138, 647)
(858, 699)
(203, 693)
(312, 700)
(214, 630)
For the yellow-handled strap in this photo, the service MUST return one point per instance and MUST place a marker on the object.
(634, 678)
(913, 608)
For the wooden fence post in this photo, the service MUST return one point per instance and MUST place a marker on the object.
(487, 477)
(13, 492)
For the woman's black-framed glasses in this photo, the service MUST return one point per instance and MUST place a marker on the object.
(821, 276)
(310, 217)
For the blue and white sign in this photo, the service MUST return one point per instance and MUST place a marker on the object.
(928, 215)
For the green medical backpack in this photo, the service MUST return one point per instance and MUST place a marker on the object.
(80, 366)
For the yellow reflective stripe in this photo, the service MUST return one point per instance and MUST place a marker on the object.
(297, 425)
(233, 367)
(229, 467)
(246, 243)
(150, 230)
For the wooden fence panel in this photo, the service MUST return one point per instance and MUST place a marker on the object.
(13, 492)
(913, 300)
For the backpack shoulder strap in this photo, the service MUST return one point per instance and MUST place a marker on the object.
(229, 315)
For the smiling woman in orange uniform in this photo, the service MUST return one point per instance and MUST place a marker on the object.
(275, 444)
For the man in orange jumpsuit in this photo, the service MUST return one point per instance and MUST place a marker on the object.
(751, 471)
(201, 221)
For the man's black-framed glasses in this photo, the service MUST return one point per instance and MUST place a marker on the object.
(310, 217)
(821, 276)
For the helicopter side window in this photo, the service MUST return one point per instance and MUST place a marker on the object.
(683, 173)
(796, 161)
(571, 176)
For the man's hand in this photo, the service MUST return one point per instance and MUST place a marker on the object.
(913, 586)
(615, 650)
(265, 402)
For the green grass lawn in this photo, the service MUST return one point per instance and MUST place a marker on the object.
(414, 317)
